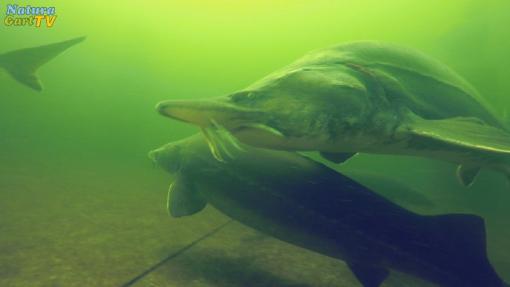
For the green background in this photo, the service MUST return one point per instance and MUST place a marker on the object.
(94, 122)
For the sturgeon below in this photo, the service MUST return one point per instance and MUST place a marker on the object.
(305, 203)
(365, 97)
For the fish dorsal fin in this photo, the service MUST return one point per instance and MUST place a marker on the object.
(465, 133)
(368, 275)
(23, 63)
(183, 198)
(337, 157)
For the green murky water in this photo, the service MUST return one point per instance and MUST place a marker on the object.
(80, 203)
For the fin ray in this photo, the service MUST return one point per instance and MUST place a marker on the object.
(213, 147)
(467, 133)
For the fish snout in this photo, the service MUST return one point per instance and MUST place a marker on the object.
(203, 112)
(168, 156)
(196, 112)
(153, 156)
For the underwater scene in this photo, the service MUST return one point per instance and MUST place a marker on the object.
(255, 143)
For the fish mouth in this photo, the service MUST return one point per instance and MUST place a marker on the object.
(219, 121)
(213, 117)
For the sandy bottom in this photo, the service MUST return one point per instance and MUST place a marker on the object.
(104, 223)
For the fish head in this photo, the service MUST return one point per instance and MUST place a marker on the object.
(169, 156)
(292, 111)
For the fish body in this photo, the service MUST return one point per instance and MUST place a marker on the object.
(368, 97)
(305, 203)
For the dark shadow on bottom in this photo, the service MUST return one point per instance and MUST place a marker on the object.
(219, 270)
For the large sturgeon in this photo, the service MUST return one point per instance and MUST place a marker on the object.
(302, 202)
(361, 97)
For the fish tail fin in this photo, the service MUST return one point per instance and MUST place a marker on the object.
(464, 231)
(460, 243)
(22, 64)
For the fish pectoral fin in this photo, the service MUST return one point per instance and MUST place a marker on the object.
(368, 275)
(222, 144)
(465, 133)
(467, 173)
(183, 199)
(337, 157)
